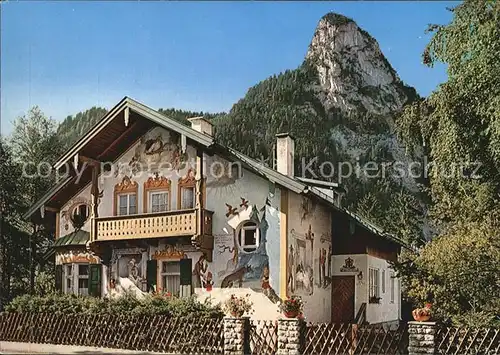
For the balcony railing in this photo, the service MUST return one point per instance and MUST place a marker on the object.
(152, 225)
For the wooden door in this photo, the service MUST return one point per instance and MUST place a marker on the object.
(343, 299)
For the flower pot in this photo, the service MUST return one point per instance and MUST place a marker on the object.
(291, 314)
(421, 317)
(237, 314)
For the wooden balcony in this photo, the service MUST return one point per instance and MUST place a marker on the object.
(153, 225)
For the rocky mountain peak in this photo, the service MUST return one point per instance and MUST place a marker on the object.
(353, 72)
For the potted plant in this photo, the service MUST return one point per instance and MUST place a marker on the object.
(422, 314)
(237, 306)
(292, 307)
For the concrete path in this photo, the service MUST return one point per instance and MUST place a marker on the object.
(8, 347)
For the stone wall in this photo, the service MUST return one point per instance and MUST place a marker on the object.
(422, 338)
(236, 336)
(290, 336)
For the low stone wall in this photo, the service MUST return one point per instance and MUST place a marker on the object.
(422, 338)
(236, 339)
(290, 336)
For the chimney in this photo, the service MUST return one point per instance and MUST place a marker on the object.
(201, 125)
(285, 154)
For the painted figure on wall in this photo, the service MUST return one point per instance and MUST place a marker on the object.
(322, 260)
(133, 273)
(302, 256)
(199, 271)
(208, 282)
(158, 146)
(237, 276)
(290, 270)
(329, 270)
(266, 286)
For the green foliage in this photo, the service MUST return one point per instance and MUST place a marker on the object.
(460, 122)
(459, 273)
(74, 127)
(282, 103)
(128, 304)
(183, 115)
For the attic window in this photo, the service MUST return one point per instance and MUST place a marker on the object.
(248, 236)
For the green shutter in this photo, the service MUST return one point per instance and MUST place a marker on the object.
(186, 271)
(151, 274)
(95, 271)
(59, 272)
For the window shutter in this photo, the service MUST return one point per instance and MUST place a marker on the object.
(186, 271)
(95, 271)
(151, 274)
(59, 275)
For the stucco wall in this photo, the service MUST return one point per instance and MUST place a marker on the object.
(250, 197)
(309, 235)
(385, 311)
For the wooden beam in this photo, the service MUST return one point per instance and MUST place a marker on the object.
(112, 145)
(58, 218)
(75, 161)
(126, 115)
(90, 161)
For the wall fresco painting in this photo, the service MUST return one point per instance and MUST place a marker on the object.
(300, 262)
(157, 149)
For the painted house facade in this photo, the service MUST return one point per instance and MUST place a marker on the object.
(148, 204)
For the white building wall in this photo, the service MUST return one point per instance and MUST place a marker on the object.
(385, 311)
(249, 196)
(309, 235)
(360, 262)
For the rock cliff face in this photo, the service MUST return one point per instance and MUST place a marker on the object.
(341, 105)
(352, 71)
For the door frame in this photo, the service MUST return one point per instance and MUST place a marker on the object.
(353, 277)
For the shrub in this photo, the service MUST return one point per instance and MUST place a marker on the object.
(57, 303)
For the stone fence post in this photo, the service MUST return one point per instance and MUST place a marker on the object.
(236, 336)
(290, 336)
(422, 338)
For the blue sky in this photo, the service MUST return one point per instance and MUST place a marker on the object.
(69, 56)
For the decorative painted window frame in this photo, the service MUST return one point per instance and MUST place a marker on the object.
(156, 183)
(240, 228)
(188, 181)
(126, 186)
(170, 253)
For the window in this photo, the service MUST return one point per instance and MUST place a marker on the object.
(76, 279)
(157, 194)
(373, 285)
(127, 204)
(83, 280)
(158, 201)
(187, 197)
(249, 236)
(186, 193)
(125, 197)
(171, 277)
(383, 281)
(392, 286)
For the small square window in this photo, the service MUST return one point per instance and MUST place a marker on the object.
(249, 236)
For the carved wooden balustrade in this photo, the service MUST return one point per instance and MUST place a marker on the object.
(153, 225)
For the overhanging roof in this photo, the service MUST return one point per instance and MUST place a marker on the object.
(144, 111)
(143, 118)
